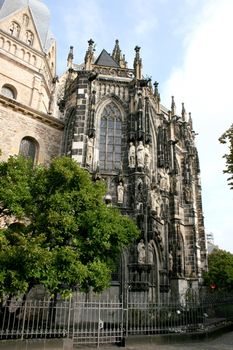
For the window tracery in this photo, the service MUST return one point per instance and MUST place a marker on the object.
(110, 138)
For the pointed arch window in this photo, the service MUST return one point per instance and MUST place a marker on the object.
(110, 138)
(28, 148)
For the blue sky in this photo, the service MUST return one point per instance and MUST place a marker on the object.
(186, 45)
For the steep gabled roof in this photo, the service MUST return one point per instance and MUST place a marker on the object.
(105, 59)
(40, 13)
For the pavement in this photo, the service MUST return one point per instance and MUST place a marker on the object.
(222, 342)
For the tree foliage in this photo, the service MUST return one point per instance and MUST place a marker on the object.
(220, 271)
(58, 231)
(227, 137)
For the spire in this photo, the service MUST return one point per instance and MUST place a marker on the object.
(70, 58)
(183, 112)
(137, 64)
(173, 106)
(89, 57)
(116, 53)
(157, 95)
(190, 121)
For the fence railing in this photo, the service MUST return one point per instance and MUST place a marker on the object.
(98, 321)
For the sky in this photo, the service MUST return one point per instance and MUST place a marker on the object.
(186, 45)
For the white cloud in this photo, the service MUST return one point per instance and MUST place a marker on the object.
(204, 83)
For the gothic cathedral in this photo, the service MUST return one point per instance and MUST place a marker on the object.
(110, 119)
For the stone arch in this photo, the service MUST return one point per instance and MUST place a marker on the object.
(110, 117)
(2, 42)
(9, 91)
(29, 148)
(7, 45)
(14, 49)
(155, 275)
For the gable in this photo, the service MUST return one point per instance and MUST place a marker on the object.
(39, 15)
(105, 59)
(20, 25)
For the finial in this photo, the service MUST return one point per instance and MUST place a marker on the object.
(190, 121)
(70, 57)
(183, 112)
(156, 91)
(90, 42)
(89, 57)
(116, 53)
(173, 106)
(137, 64)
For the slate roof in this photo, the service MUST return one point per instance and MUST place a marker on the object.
(105, 59)
(40, 15)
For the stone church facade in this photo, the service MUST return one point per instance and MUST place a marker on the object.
(110, 119)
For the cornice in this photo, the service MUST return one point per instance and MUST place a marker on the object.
(31, 113)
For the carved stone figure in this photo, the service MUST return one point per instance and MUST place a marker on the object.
(120, 193)
(147, 157)
(156, 202)
(187, 194)
(131, 155)
(89, 155)
(164, 180)
(141, 252)
(140, 154)
(150, 252)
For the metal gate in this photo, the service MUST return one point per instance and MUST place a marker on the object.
(97, 322)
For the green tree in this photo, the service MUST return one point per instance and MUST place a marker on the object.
(59, 231)
(227, 137)
(220, 270)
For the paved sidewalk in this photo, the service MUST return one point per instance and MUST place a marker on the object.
(222, 342)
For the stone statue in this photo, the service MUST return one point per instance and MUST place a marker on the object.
(141, 252)
(120, 193)
(147, 157)
(131, 155)
(187, 194)
(89, 155)
(156, 202)
(140, 154)
(150, 252)
(164, 180)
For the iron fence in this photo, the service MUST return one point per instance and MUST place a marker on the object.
(100, 321)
